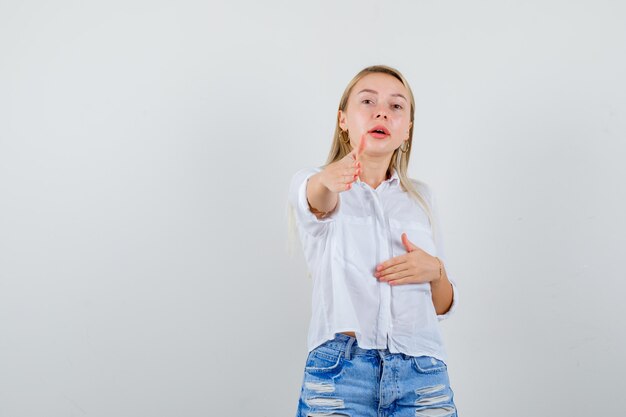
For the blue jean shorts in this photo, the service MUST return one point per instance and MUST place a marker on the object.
(342, 379)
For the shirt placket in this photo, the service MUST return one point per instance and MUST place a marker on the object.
(384, 250)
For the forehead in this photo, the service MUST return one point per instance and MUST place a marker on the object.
(384, 84)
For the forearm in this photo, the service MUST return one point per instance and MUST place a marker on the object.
(442, 293)
(319, 197)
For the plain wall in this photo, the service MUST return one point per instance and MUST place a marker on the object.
(145, 154)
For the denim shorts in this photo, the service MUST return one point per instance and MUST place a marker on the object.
(342, 379)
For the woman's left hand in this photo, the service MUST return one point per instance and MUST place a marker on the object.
(414, 267)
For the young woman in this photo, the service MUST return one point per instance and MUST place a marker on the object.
(372, 242)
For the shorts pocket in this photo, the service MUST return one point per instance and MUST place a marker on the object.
(324, 360)
(429, 365)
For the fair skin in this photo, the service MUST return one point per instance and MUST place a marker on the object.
(378, 101)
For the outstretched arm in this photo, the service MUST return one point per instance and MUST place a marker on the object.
(323, 188)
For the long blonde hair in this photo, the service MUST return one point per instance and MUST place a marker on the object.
(399, 160)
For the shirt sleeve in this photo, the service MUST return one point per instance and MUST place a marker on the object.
(306, 220)
(438, 235)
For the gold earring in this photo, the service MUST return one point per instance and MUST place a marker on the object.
(345, 138)
(406, 148)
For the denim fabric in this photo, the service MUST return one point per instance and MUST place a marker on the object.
(342, 379)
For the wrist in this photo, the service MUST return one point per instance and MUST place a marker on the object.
(439, 272)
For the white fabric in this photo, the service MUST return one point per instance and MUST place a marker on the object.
(342, 251)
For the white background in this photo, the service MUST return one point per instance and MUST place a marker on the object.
(146, 149)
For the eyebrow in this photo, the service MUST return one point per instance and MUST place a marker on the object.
(367, 90)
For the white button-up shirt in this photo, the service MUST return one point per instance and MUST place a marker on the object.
(342, 251)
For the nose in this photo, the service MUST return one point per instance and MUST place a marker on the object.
(380, 112)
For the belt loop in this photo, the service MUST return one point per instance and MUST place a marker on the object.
(349, 347)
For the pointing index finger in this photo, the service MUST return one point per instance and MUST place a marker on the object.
(361, 147)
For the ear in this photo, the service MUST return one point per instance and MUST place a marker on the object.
(341, 117)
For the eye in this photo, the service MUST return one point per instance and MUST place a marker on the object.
(366, 100)
(397, 106)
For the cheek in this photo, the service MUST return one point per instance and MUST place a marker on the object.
(364, 115)
(403, 121)
(403, 129)
(360, 122)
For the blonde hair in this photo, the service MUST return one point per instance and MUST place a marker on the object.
(399, 160)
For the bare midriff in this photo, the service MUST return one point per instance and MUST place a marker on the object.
(349, 334)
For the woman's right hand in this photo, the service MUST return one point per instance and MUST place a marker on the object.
(340, 175)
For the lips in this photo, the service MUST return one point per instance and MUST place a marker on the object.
(379, 129)
(379, 132)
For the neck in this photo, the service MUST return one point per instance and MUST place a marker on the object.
(374, 173)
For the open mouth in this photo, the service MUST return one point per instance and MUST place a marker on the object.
(379, 132)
